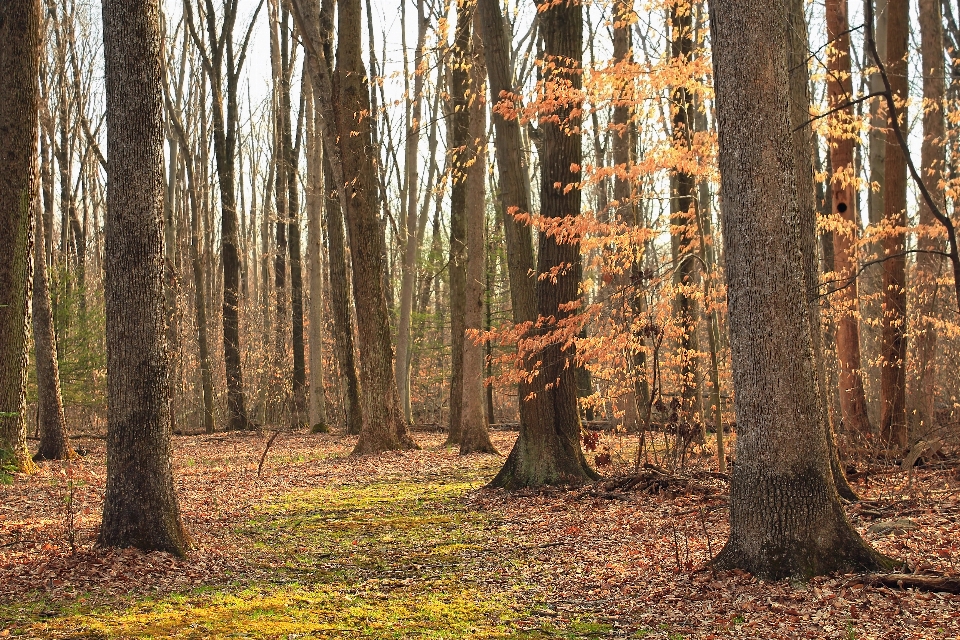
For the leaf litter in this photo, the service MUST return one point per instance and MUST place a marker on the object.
(411, 544)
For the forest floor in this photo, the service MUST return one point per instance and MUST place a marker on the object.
(410, 545)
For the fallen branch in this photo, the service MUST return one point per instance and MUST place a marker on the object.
(914, 581)
(263, 456)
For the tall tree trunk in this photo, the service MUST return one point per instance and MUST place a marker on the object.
(548, 448)
(140, 504)
(932, 164)
(20, 46)
(474, 436)
(853, 401)
(785, 515)
(512, 170)
(893, 408)
(54, 442)
(410, 235)
(340, 283)
(384, 427)
(683, 215)
(280, 63)
(460, 159)
(871, 291)
(314, 202)
(807, 217)
(292, 156)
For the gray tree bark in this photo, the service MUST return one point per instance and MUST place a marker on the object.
(785, 514)
(19, 187)
(474, 436)
(140, 504)
(54, 442)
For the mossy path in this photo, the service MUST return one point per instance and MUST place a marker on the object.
(394, 557)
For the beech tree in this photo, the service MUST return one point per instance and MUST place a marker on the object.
(19, 188)
(548, 450)
(140, 506)
(785, 514)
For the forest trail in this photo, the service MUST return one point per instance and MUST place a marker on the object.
(409, 545)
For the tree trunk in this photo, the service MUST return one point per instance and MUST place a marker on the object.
(460, 158)
(474, 437)
(314, 202)
(20, 46)
(384, 427)
(340, 283)
(682, 217)
(140, 504)
(54, 442)
(807, 216)
(785, 514)
(853, 401)
(932, 164)
(292, 155)
(514, 187)
(280, 63)
(893, 408)
(548, 448)
(410, 235)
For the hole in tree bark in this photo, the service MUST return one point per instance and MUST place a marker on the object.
(842, 207)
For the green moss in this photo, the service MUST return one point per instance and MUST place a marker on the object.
(386, 560)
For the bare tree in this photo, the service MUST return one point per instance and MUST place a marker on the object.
(140, 504)
(19, 186)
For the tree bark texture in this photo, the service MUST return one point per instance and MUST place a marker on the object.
(843, 186)
(340, 282)
(20, 46)
(799, 46)
(932, 165)
(474, 436)
(461, 156)
(384, 427)
(548, 449)
(314, 202)
(893, 381)
(140, 504)
(54, 442)
(514, 187)
(785, 514)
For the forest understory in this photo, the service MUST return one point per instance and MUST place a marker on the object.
(322, 544)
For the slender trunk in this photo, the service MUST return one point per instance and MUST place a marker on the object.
(54, 442)
(410, 236)
(785, 515)
(548, 448)
(893, 409)
(280, 56)
(807, 219)
(299, 407)
(20, 47)
(474, 437)
(140, 503)
(932, 164)
(682, 216)
(459, 150)
(314, 202)
(853, 401)
(384, 427)
(340, 283)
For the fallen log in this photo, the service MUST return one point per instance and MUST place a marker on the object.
(915, 581)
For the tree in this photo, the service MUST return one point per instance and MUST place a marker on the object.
(853, 401)
(785, 514)
(460, 159)
(893, 380)
(140, 504)
(932, 164)
(19, 185)
(474, 436)
(548, 449)
(384, 427)
(54, 442)
(222, 66)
